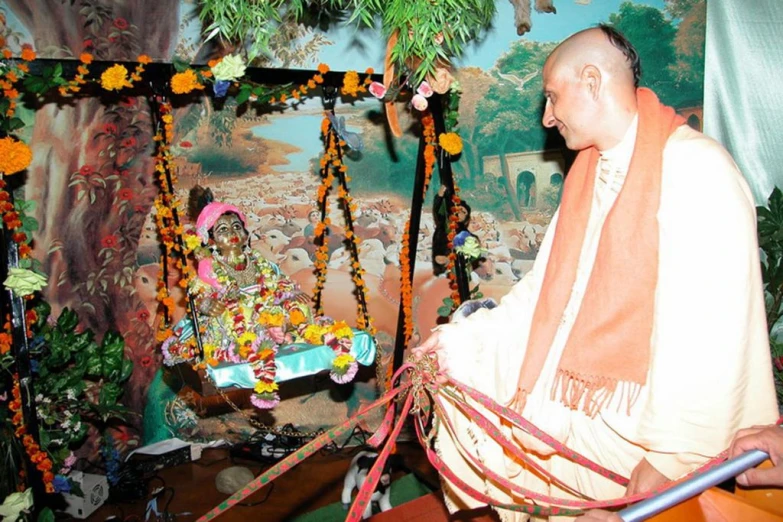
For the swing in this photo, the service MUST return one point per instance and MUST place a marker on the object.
(317, 344)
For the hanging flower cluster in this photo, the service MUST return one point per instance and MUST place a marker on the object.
(406, 275)
(303, 89)
(13, 222)
(351, 83)
(331, 163)
(169, 227)
(11, 74)
(456, 206)
(74, 85)
(37, 456)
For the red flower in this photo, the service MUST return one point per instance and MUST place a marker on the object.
(140, 209)
(109, 241)
(146, 361)
(121, 23)
(87, 43)
(86, 170)
(19, 237)
(129, 142)
(142, 315)
(125, 194)
(128, 102)
(4, 196)
(112, 39)
(186, 144)
(110, 128)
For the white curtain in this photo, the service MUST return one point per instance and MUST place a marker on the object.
(743, 87)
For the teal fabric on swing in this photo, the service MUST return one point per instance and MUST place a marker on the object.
(293, 361)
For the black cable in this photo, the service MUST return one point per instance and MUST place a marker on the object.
(251, 504)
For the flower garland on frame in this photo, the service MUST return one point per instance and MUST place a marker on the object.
(38, 457)
(406, 274)
(169, 227)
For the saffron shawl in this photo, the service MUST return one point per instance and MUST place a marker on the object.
(609, 344)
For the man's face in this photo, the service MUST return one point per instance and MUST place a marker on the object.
(569, 107)
(229, 234)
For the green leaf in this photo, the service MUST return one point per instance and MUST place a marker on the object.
(109, 394)
(444, 311)
(46, 515)
(180, 65)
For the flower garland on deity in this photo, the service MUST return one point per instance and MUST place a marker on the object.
(248, 308)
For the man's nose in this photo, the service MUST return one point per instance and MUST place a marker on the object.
(549, 119)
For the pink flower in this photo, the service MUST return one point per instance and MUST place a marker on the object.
(377, 89)
(419, 102)
(120, 23)
(425, 90)
(86, 170)
(348, 376)
(110, 128)
(264, 404)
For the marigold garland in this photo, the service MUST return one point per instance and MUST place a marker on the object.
(406, 275)
(169, 227)
(330, 163)
(37, 456)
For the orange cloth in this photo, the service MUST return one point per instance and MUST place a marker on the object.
(610, 341)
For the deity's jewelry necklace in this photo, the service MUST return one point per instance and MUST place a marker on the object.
(246, 276)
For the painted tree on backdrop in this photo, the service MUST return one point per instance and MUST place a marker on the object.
(509, 119)
(92, 169)
(672, 56)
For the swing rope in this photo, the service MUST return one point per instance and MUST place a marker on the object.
(420, 395)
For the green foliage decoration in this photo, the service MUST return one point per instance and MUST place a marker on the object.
(770, 235)
(429, 31)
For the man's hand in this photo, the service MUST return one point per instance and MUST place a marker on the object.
(644, 478)
(599, 515)
(433, 347)
(768, 439)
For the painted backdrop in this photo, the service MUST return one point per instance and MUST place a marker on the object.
(92, 171)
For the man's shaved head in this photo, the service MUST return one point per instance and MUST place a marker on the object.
(590, 83)
(603, 47)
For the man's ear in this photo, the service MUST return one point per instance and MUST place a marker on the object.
(591, 78)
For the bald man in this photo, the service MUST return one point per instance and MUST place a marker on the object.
(639, 337)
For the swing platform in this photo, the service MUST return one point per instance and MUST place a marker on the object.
(204, 390)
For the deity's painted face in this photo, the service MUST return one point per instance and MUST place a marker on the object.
(229, 234)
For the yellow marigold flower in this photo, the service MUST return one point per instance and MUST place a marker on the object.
(185, 82)
(451, 142)
(265, 387)
(340, 329)
(314, 334)
(265, 353)
(246, 338)
(115, 78)
(271, 318)
(192, 242)
(85, 58)
(15, 156)
(167, 118)
(343, 361)
(144, 59)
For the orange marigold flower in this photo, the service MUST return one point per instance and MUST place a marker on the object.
(85, 58)
(144, 59)
(15, 156)
(28, 55)
(323, 68)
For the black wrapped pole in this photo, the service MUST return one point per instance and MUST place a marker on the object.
(417, 202)
(447, 179)
(20, 349)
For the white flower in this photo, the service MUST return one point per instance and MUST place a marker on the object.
(229, 68)
(419, 102)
